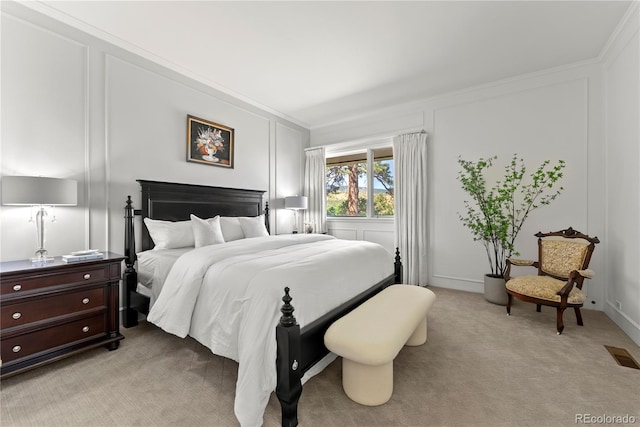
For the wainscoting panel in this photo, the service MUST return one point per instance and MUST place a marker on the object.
(343, 233)
(382, 237)
(376, 230)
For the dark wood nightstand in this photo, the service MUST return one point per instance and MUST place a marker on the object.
(55, 310)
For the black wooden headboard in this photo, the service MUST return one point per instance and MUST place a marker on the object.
(175, 202)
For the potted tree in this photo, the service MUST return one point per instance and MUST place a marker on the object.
(495, 215)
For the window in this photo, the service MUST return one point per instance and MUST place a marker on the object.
(351, 178)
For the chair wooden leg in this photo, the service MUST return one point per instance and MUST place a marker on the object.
(560, 323)
(538, 308)
(509, 301)
(578, 315)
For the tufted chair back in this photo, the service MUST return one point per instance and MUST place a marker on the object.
(559, 257)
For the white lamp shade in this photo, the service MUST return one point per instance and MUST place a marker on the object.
(35, 190)
(296, 202)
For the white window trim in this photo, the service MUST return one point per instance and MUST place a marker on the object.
(377, 219)
(353, 147)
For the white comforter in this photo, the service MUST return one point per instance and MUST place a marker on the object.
(228, 297)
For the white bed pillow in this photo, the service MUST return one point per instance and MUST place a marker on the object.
(253, 226)
(231, 229)
(206, 232)
(170, 234)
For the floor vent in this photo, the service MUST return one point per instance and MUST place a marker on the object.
(623, 357)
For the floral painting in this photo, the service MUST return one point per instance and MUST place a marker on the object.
(209, 142)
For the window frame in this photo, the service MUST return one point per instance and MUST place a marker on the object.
(369, 147)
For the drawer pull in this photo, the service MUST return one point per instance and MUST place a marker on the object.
(16, 315)
(85, 300)
(85, 329)
(16, 348)
(17, 287)
(87, 276)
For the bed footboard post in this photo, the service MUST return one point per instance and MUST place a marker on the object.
(397, 267)
(289, 386)
(130, 277)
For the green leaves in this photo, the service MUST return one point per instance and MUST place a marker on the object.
(495, 216)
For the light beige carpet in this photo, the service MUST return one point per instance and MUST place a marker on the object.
(478, 368)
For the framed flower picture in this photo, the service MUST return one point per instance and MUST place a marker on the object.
(209, 143)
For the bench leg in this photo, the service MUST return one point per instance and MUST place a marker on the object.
(419, 336)
(366, 384)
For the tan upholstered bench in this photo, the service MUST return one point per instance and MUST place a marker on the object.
(371, 336)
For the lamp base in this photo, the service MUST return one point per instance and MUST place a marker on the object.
(41, 257)
(41, 260)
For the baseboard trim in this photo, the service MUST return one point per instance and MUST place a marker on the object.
(624, 322)
(457, 283)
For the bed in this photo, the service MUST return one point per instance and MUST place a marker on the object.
(260, 272)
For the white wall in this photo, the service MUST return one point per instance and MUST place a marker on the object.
(289, 165)
(43, 131)
(77, 107)
(538, 123)
(622, 156)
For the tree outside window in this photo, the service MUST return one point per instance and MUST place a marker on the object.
(348, 185)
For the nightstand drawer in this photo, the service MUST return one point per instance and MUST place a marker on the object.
(17, 285)
(49, 307)
(28, 344)
(55, 310)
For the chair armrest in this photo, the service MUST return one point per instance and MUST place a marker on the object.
(566, 289)
(521, 262)
(576, 276)
(517, 263)
(587, 274)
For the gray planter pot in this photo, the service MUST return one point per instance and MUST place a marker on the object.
(494, 290)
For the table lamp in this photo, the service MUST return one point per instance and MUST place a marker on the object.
(296, 203)
(39, 192)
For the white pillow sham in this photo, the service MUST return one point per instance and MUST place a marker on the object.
(253, 226)
(193, 233)
(206, 232)
(170, 234)
(231, 228)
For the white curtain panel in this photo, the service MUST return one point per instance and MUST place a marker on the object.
(314, 189)
(410, 195)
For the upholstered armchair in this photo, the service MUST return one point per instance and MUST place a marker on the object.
(563, 261)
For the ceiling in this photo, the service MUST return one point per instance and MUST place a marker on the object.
(316, 63)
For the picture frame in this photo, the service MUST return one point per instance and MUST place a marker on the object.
(209, 143)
